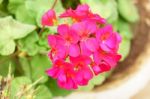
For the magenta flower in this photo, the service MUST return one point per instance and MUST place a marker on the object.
(58, 50)
(49, 18)
(83, 13)
(103, 56)
(108, 40)
(81, 67)
(82, 49)
(101, 67)
(64, 73)
(85, 30)
(70, 38)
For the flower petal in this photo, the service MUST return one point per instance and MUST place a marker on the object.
(92, 44)
(74, 50)
(63, 30)
(84, 50)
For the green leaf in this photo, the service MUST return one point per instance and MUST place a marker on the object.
(124, 48)
(124, 29)
(43, 39)
(128, 10)
(14, 4)
(5, 62)
(8, 49)
(96, 80)
(25, 65)
(43, 93)
(3, 8)
(107, 9)
(1, 1)
(55, 89)
(39, 64)
(10, 30)
(32, 48)
(17, 85)
(24, 15)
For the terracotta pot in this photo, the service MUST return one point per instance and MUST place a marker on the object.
(132, 74)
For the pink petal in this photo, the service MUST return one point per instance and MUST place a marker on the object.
(78, 27)
(111, 42)
(74, 36)
(61, 51)
(90, 26)
(105, 67)
(111, 59)
(67, 13)
(97, 58)
(74, 50)
(81, 59)
(105, 47)
(48, 17)
(92, 44)
(96, 69)
(87, 74)
(84, 50)
(52, 72)
(83, 7)
(51, 40)
(62, 78)
(80, 79)
(63, 30)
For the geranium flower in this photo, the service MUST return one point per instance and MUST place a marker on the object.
(103, 56)
(108, 40)
(82, 49)
(49, 18)
(83, 13)
(100, 67)
(85, 30)
(58, 50)
(70, 38)
(81, 67)
(64, 73)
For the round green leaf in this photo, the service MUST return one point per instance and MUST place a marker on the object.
(5, 62)
(96, 80)
(39, 64)
(43, 93)
(10, 30)
(128, 10)
(124, 48)
(8, 48)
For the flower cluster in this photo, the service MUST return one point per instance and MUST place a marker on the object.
(81, 50)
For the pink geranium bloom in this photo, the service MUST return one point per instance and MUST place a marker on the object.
(58, 51)
(103, 56)
(83, 13)
(80, 13)
(108, 40)
(64, 73)
(101, 67)
(81, 49)
(85, 30)
(81, 67)
(70, 38)
(49, 18)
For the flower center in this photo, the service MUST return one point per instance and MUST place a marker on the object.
(104, 36)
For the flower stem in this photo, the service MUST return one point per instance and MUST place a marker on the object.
(54, 4)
